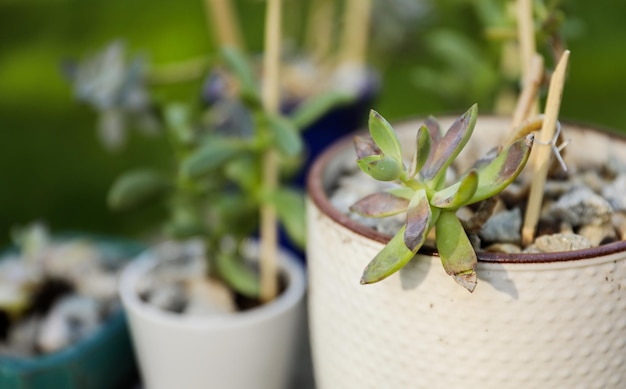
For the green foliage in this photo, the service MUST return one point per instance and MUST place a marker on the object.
(424, 195)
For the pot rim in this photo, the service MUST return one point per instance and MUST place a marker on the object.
(288, 264)
(317, 194)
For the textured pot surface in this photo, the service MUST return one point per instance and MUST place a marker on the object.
(251, 349)
(552, 321)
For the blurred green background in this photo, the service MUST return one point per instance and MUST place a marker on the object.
(53, 168)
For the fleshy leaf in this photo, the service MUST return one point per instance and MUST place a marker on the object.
(239, 65)
(381, 169)
(389, 260)
(385, 137)
(434, 129)
(212, 155)
(136, 187)
(317, 106)
(418, 219)
(458, 194)
(365, 147)
(501, 171)
(286, 135)
(456, 251)
(402, 192)
(381, 204)
(422, 151)
(290, 207)
(450, 145)
(237, 275)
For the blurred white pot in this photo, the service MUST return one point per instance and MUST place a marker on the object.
(244, 350)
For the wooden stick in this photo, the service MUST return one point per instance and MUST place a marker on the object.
(528, 97)
(319, 29)
(541, 157)
(527, 47)
(221, 16)
(271, 103)
(356, 26)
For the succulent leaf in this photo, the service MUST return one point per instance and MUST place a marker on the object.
(434, 128)
(238, 64)
(385, 137)
(380, 204)
(212, 155)
(286, 136)
(418, 218)
(365, 147)
(402, 192)
(458, 194)
(456, 252)
(501, 171)
(315, 107)
(389, 260)
(290, 207)
(422, 152)
(237, 275)
(137, 186)
(450, 145)
(380, 168)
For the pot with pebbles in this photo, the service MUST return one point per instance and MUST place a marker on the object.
(61, 323)
(548, 314)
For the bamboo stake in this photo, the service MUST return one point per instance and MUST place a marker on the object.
(541, 158)
(527, 47)
(356, 26)
(271, 102)
(528, 97)
(220, 14)
(319, 29)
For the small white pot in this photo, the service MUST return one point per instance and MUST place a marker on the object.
(244, 350)
(534, 321)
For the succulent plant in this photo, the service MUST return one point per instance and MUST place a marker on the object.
(430, 202)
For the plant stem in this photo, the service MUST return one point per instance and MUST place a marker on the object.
(528, 51)
(319, 29)
(220, 14)
(271, 102)
(541, 157)
(356, 26)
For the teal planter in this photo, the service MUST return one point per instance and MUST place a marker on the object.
(103, 360)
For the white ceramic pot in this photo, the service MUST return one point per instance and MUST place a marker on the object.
(534, 321)
(250, 349)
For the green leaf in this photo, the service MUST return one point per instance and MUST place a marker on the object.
(418, 219)
(456, 251)
(211, 155)
(317, 106)
(290, 207)
(381, 169)
(385, 137)
(501, 171)
(422, 151)
(450, 145)
(237, 275)
(458, 194)
(381, 204)
(239, 65)
(178, 119)
(402, 192)
(389, 260)
(285, 135)
(136, 187)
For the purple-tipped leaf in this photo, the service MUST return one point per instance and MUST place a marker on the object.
(450, 145)
(503, 169)
(365, 147)
(389, 260)
(422, 151)
(456, 252)
(418, 219)
(380, 204)
(385, 137)
(434, 128)
(458, 194)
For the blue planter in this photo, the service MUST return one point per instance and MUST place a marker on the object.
(103, 360)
